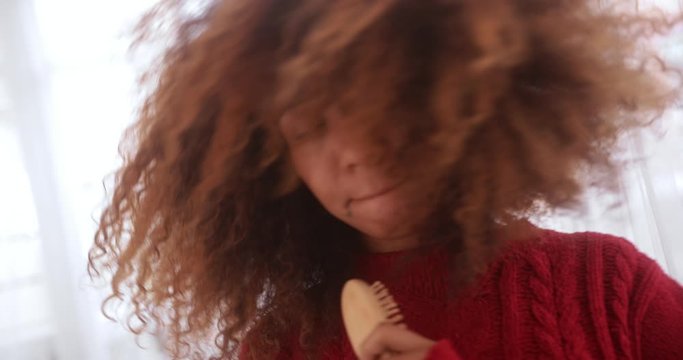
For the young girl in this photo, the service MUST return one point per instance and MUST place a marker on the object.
(287, 146)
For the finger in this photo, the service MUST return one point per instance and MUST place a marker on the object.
(391, 338)
(412, 355)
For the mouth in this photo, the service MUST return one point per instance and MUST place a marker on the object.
(376, 194)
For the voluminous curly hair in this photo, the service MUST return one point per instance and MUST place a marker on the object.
(209, 234)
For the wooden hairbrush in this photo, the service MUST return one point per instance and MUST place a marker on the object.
(364, 307)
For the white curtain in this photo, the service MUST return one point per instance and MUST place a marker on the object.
(65, 96)
(651, 190)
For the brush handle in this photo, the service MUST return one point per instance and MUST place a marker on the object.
(364, 307)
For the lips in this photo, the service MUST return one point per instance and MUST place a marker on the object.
(377, 193)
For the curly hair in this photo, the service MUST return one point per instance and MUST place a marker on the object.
(209, 235)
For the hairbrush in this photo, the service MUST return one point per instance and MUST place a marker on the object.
(364, 307)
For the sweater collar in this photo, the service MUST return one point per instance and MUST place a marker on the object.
(424, 271)
(421, 272)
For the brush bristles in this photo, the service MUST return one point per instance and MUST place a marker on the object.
(388, 304)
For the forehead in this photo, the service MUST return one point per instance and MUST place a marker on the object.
(314, 112)
(358, 114)
(305, 108)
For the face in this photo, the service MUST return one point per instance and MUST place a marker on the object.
(355, 178)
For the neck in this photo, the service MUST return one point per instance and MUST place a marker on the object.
(517, 229)
(391, 244)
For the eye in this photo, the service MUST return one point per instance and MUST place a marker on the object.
(310, 130)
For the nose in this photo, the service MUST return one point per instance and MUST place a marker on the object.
(356, 147)
(356, 155)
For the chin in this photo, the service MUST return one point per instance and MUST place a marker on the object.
(385, 230)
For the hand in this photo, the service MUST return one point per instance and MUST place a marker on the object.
(395, 342)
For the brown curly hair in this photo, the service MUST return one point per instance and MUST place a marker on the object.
(209, 235)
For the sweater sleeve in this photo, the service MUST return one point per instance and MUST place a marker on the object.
(661, 327)
(442, 350)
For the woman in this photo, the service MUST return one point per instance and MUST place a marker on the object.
(287, 146)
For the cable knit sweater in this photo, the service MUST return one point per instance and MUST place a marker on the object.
(576, 296)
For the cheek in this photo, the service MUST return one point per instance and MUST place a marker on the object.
(315, 172)
(324, 188)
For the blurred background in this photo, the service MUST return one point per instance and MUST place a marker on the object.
(67, 92)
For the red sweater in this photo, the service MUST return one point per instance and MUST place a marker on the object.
(577, 296)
